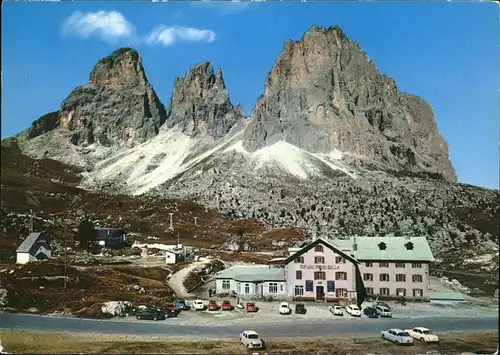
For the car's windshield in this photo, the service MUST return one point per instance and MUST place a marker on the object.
(386, 310)
(426, 332)
(253, 336)
(355, 308)
(403, 334)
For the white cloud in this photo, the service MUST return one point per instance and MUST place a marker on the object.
(108, 25)
(167, 36)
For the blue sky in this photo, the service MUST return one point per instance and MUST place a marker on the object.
(447, 53)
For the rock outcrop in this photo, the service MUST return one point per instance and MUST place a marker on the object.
(324, 94)
(117, 107)
(200, 104)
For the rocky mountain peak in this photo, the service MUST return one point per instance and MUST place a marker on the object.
(324, 94)
(121, 67)
(200, 103)
(118, 107)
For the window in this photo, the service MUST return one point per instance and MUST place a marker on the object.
(238, 287)
(298, 275)
(416, 265)
(298, 290)
(409, 246)
(369, 264)
(309, 285)
(417, 292)
(384, 277)
(226, 284)
(320, 275)
(247, 289)
(330, 286)
(382, 246)
(384, 264)
(416, 278)
(369, 291)
(339, 260)
(299, 260)
(318, 248)
(400, 278)
(367, 277)
(341, 292)
(281, 287)
(401, 291)
(384, 291)
(319, 259)
(341, 275)
(400, 265)
(273, 287)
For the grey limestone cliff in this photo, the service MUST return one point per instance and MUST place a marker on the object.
(117, 107)
(200, 103)
(323, 93)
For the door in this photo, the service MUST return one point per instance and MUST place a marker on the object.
(320, 293)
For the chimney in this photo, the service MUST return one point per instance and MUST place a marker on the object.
(354, 244)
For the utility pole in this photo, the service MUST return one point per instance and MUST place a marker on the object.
(65, 253)
(195, 221)
(171, 221)
(178, 240)
(31, 222)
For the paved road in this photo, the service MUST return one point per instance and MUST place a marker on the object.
(285, 329)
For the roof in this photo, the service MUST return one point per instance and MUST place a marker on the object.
(28, 243)
(421, 328)
(368, 248)
(326, 242)
(104, 233)
(397, 330)
(250, 332)
(253, 273)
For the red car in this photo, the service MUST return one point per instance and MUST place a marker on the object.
(171, 306)
(213, 306)
(251, 307)
(227, 306)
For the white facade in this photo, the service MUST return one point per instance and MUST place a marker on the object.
(172, 257)
(23, 258)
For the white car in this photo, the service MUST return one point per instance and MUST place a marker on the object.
(336, 310)
(423, 334)
(285, 308)
(397, 336)
(251, 340)
(353, 310)
(199, 305)
(384, 311)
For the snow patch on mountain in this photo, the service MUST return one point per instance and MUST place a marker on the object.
(171, 153)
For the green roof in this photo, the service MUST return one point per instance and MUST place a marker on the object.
(252, 273)
(368, 248)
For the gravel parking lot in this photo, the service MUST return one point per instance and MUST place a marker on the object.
(268, 313)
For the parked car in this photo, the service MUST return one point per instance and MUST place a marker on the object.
(353, 310)
(423, 334)
(382, 304)
(213, 306)
(384, 311)
(300, 308)
(169, 312)
(284, 308)
(181, 304)
(251, 340)
(251, 307)
(171, 306)
(397, 336)
(371, 312)
(227, 306)
(199, 305)
(150, 314)
(336, 310)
